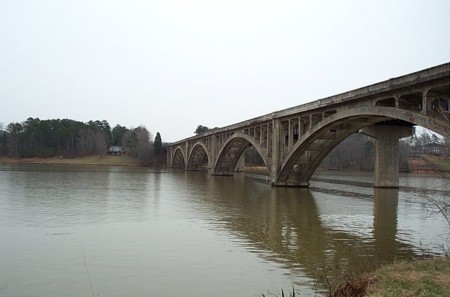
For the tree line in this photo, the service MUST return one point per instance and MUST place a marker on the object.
(70, 138)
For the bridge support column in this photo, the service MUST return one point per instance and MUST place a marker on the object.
(240, 167)
(276, 147)
(212, 154)
(387, 153)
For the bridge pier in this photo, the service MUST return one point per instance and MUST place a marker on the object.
(387, 138)
(240, 167)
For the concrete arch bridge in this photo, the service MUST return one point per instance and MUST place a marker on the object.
(293, 142)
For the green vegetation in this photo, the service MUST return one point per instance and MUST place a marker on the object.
(157, 145)
(203, 129)
(117, 134)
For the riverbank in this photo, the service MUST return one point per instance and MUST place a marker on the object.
(425, 277)
(421, 165)
(96, 160)
(429, 164)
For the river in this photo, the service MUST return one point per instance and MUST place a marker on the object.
(120, 231)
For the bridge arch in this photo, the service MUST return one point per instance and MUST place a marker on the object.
(179, 158)
(232, 151)
(197, 157)
(300, 164)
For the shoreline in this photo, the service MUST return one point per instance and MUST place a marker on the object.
(92, 160)
(125, 160)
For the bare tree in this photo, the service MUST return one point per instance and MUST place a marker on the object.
(356, 152)
(441, 206)
(138, 141)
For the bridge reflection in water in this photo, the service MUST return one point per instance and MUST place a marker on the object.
(306, 230)
(385, 202)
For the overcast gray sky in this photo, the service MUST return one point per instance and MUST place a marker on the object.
(174, 65)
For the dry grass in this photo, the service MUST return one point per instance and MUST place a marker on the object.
(100, 160)
(429, 164)
(257, 170)
(442, 163)
(429, 278)
(354, 288)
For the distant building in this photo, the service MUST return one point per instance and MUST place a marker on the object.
(433, 148)
(115, 150)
